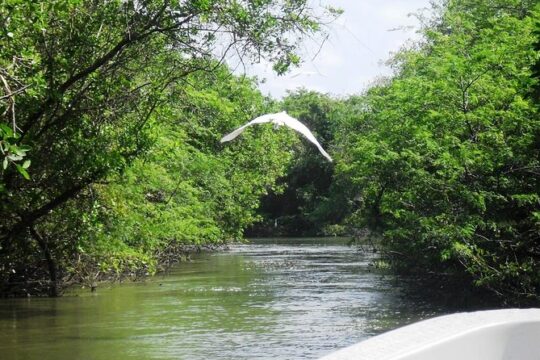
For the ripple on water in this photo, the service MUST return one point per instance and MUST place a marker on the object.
(277, 299)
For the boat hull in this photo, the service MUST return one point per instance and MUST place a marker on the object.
(512, 334)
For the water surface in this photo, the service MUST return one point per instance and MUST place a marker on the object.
(273, 299)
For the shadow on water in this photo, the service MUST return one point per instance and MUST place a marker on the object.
(448, 295)
(25, 310)
(271, 299)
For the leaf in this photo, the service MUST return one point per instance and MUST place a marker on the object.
(26, 164)
(6, 130)
(13, 157)
(23, 171)
(20, 151)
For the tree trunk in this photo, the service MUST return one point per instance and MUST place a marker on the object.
(53, 275)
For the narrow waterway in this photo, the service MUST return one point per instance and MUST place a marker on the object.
(272, 299)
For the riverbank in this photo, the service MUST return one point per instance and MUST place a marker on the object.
(87, 273)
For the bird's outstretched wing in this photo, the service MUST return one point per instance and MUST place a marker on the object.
(303, 129)
(258, 120)
(281, 118)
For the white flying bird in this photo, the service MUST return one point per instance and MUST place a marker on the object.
(279, 119)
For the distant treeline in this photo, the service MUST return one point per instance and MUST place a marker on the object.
(112, 115)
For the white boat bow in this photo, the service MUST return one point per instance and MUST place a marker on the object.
(512, 334)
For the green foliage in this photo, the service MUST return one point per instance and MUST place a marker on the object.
(446, 156)
(85, 88)
(309, 198)
(188, 189)
(536, 66)
(12, 154)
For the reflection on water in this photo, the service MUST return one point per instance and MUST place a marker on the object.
(274, 299)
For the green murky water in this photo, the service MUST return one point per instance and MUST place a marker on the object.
(274, 299)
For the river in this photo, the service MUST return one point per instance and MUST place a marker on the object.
(272, 299)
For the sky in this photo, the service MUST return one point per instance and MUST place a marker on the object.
(353, 55)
